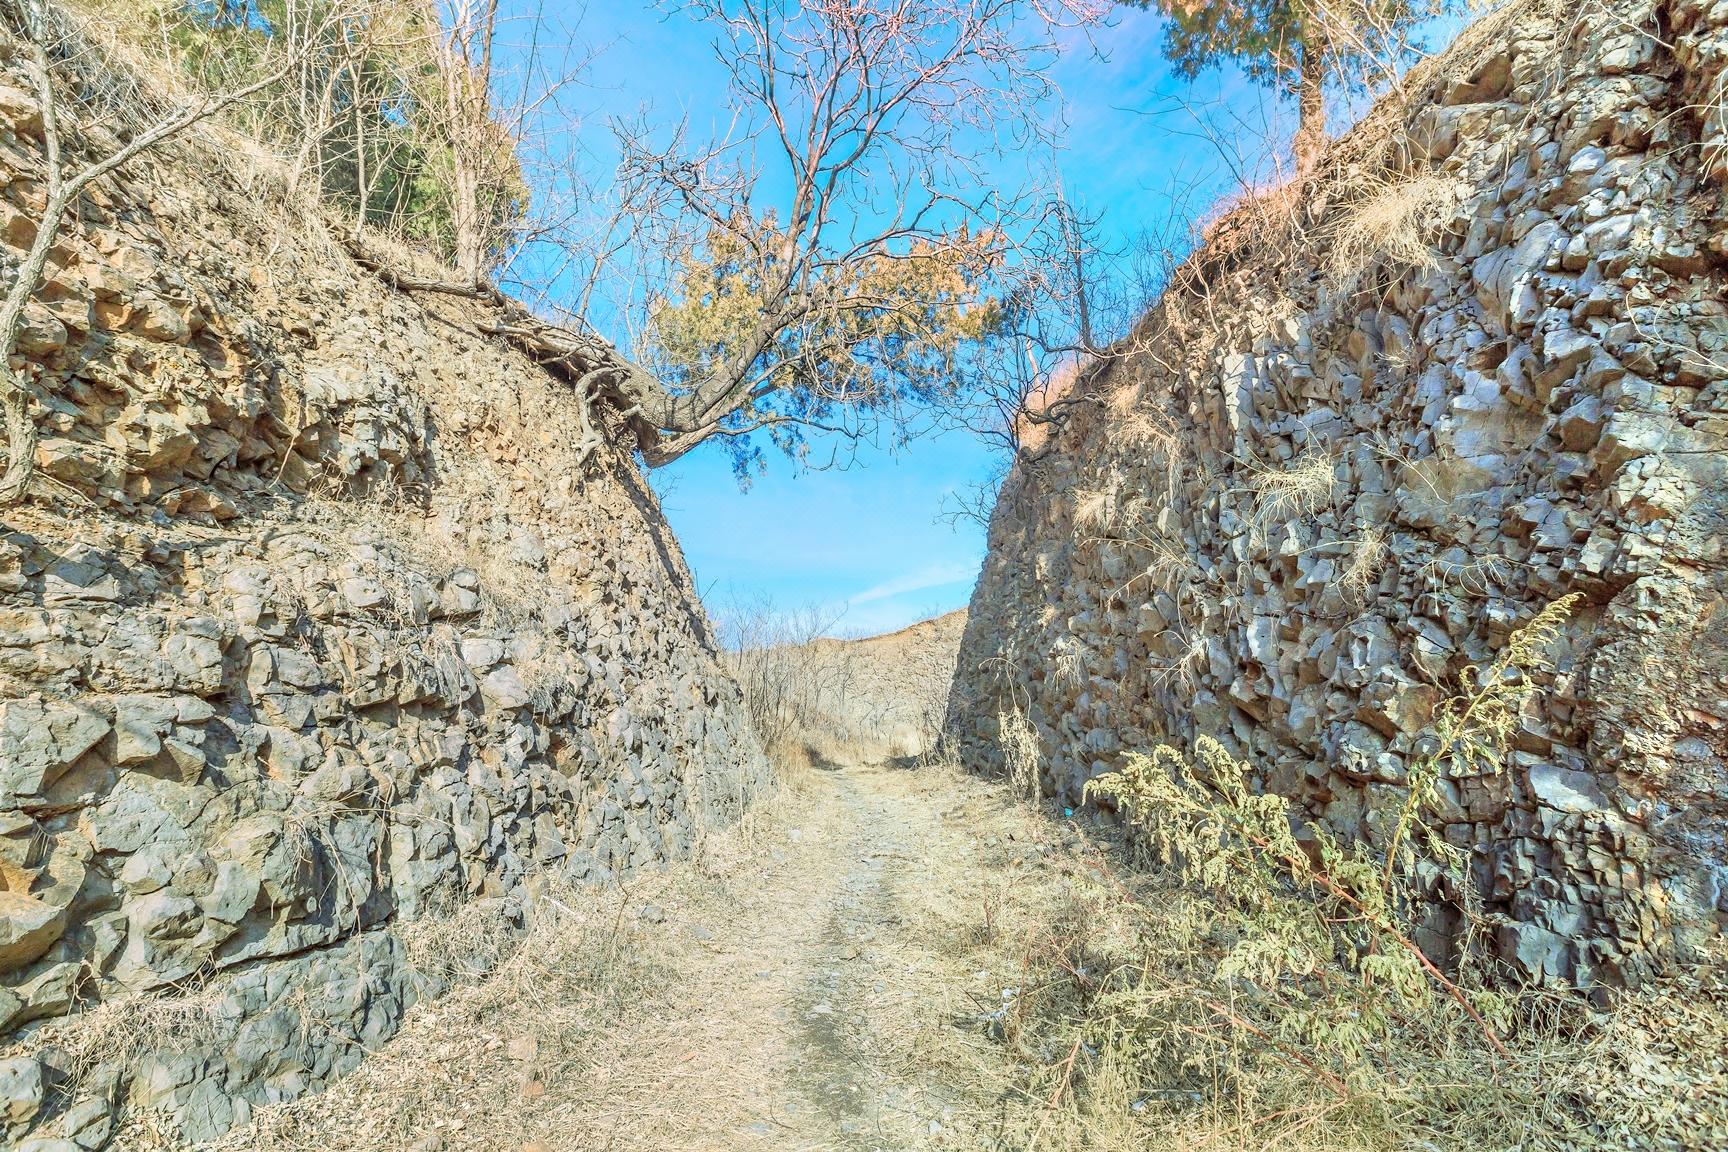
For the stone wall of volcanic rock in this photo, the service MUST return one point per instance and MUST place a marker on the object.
(1322, 481)
(316, 626)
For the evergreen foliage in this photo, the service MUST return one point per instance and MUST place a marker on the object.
(1297, 46)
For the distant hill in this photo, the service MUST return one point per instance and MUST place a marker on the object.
(895, 686)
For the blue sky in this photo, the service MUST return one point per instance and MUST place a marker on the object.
(867, 543)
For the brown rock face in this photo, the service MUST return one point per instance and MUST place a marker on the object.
(318, 627)
(28, 928)
(889, 691)
(1331, 472)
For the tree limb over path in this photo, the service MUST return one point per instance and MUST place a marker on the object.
(845, 257)
(839, 258)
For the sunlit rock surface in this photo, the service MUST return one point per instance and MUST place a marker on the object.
(318, 627)
(1317, 488)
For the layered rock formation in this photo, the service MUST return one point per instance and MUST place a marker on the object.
(317, 627)
(1381, 418)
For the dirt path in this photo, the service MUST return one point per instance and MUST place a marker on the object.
(855, 985)
(822, 979)
(856, 935)
(879, 960)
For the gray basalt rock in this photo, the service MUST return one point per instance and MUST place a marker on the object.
(21, 1092)
(28, 928)
(1539, 410)
(41, 740)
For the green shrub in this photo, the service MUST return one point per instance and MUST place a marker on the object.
(361, 117)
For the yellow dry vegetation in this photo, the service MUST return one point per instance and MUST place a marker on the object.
(894, 959)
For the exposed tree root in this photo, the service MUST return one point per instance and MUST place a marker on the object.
(600, 375)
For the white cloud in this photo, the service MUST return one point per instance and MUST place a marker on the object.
(935, 576)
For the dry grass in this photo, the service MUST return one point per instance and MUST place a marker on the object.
(1168, 564)
(1125, 1043)
(120, 1031)
(810, 982)
(1094, 509)
(894, 959)
(579, 1025)
(1185, 664)
(469, 1066)
(1473, 575)
(1022, 752)
(1151, 432)
(1068, 663)
(1393, 220)
(1303, 487)
(1364, 562)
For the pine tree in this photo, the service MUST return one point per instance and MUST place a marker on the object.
(1295, 45)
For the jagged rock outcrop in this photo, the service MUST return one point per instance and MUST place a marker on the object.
(1335, 467)
(319, 627)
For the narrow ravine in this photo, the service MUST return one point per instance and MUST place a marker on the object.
(820, 979)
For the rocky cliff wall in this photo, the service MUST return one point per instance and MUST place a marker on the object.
(317, 627)
(1382, 417)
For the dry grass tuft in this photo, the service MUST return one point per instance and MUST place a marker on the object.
(1365, 562)
(529, 1007)
(1298, 490)
(1147, 429)
(120, 1031)
(1094, 508)
(1021, 752)
(1184, 664)
(460, 943)
(1393, 221)
(1476, 576)
(415, 549)
(1128, 1040)
(1068, 664)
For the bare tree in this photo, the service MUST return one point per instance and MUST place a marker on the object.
(832, 259)
(795, 685)
(45, 34)
(1069, 307)
(439, 124)
(482, 147)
